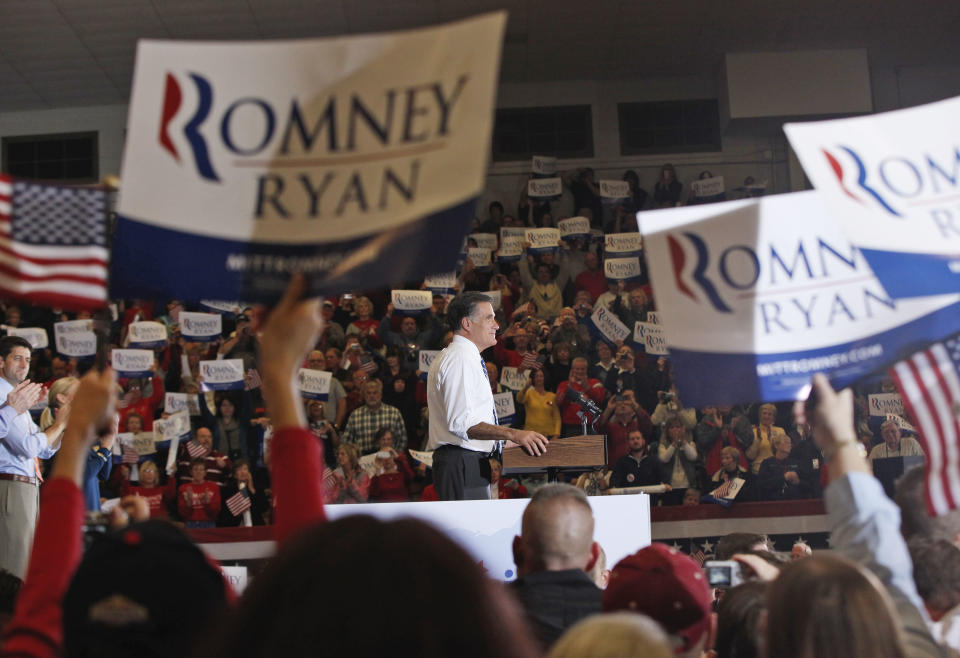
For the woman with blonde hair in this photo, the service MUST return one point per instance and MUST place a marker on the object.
(764, 433)
(60, 394)
(365, 326)
(613, 635)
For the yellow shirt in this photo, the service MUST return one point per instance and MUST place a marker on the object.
(763, 443)
(542, 413)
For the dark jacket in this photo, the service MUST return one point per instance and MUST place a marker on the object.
(771, 483)
(556, 600)
(643, 472)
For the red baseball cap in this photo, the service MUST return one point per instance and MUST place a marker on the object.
(667, 586)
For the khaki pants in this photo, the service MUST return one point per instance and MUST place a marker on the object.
(19, 505)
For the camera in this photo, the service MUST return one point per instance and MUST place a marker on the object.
(666, 396)
(723, 574)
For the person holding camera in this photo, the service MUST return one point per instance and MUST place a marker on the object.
(622, 417)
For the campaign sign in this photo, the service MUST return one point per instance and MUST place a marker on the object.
(613, 191)
(708, 189)
(222, 375)
(511, 249)
(883, 404)
(219, 306)
(543, 165)
(36, 336)
(248, 161)
(142, 443)
(544, 189)
(443, 284)
(132, 363)
(651, 338)
(147, 335)
(480, 258)
(596, 236)
(621, 245)
(514, 378)
(622, 269)
(484, 240)
(176, 425)
(426, 358)
(653, 317)
(75, 338)
(506, 410)
(574, 228)
(411, 302)
(314, 384)
(174, 402)
(200, 327)
(891, 181)
(609, 325)
(507, 232)
(757, 295)
(496, 298)
(543, 239)
(901, 423)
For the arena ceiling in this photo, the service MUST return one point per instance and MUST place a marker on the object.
(63, 53)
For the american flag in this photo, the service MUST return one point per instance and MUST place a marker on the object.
(368, 365)
(929, 384)
(196, 450)
(239, 502)
(723, 490)
(53, 244)
(529, 361)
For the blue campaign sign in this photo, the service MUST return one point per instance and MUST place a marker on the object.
(356, 160)
(755, 296)
(891, 181)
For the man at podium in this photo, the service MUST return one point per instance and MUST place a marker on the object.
(463, 431)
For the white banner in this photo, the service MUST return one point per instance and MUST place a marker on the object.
(174, 402)
(543, 165)
(496, 298)
(511, 249)
(75, 338)
(132, 363)
(442, 283)
(221, 306)
(609, 325)
(574, 228)
(223, 375)
(506, 410)
(480, 258)
(890, 180)
(514, 378)
(411, 302)
(425, 358)
(147, 335)
(653, 317)
(651, 337)
(507, 232)
(314, 384)
(901, 423)
(757, 295)
(708, 187)
(882, 404)
(612, 191)
(484, 240)
(200, 327)
(173, 426)
(141, 442)
(622, 244)
(622, 269)
(543, 239)
(544, 188)
(325, 156)
(422, 457)
(36, 336)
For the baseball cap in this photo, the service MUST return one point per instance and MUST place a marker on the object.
(667, 586)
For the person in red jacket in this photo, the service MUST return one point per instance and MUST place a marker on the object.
(591, 389)
(158, 496)
(199, 501)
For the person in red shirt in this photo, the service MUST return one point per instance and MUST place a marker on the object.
(591, 389)
(134, 402)
(591, 279)
(199, 501)
(621, 417)
(158, 496)
(505, 488)
(389, 484)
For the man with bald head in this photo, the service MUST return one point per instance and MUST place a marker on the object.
(554, 553)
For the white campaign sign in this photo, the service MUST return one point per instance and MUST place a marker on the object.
(226, 374)
(622, 244)
(319, 155)
(426, 357)
(757, 295)
(506, 409)
(132, 363)
(543, 239)
(543, 165)
(511, 248)
(651, 337)
(484, 240)
(883, 404)
(75, 338)
(314, 384)
(222, 306)
(479, 257)
(708, 187)
(574, 228)
(614, 190)
(36, 336)
(411, 301)
(890, 180)
(173, 426)
(147, 334)
(544, 188)
(621, 269)
(174, 402)
(507, 232)
(496, 298)
(200, 327)
(514, 378)
(609, 324)
(442, 283)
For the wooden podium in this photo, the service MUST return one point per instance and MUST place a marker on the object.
(568, 453)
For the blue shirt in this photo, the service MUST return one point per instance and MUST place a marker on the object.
(20, 438)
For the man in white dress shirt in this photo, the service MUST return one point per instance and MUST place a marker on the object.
(463, 424)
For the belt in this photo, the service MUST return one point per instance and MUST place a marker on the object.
(14, 477)
(480, 455)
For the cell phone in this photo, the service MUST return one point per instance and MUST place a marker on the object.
(723, 574)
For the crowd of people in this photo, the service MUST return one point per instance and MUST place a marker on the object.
(334, 587)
